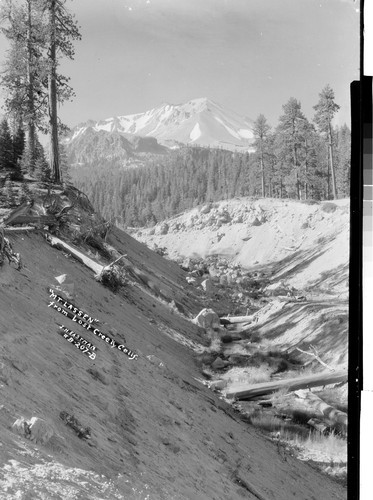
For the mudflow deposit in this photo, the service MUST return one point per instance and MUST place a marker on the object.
(108, 360)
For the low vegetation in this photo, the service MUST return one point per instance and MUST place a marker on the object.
(327, 452)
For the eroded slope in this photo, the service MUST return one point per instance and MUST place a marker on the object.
(156, 432)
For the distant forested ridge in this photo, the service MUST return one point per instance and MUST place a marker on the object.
(169, 184)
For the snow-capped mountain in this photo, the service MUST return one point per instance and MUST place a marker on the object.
(199, 121)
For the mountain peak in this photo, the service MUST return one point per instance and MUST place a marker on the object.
(199, 121)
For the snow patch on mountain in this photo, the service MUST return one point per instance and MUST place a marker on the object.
(246, 134)
(77, 132)
(196, 132)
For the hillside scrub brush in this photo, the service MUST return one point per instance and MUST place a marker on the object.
(113, 278)
(329, 207)
(73, 422)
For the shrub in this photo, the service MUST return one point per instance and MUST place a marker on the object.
(73, 422)
(329, 207)
(267, 422)
(113, 278)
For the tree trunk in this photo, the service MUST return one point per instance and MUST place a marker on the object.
(334, 184)
(270, 183)
(262, 169)
(52, 92)
(30, 93)
(296, 170)
(306, 174)
(328, 176)
(297, 183)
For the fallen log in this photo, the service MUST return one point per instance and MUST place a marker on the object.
(105, 274)
(41, 220)
(102, 271)
(236, 319)
(247, 391)
(313, 401)
(23, 229)
(16, 213)
(81, 257)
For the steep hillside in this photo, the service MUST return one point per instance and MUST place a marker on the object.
(199, 121)
(148, 428)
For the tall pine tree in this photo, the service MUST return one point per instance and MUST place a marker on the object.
(62, 31)
(325, 111)
(40, 33)
(290, 141)
(261, 130)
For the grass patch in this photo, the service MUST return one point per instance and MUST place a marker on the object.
(327, 452)
(266, 421)
(249, 374)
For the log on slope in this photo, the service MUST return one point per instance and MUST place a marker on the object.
(249, 391)
(80, 256)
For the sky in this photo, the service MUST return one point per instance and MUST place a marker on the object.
(250, 56)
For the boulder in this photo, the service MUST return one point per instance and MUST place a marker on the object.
(218, 385)
(231, 278)
(164, 228)
(223, 280)
(224, 218)
(238, 219)
(213, 272)
(21, 426)
(186, 265)
(255, 222)
(208, 286)
(206, 208)
(41, 431)
(208, 319)
(219, 364)
(36, 429)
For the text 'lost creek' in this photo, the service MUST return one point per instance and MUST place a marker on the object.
(86, 324)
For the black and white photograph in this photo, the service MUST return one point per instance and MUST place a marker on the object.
(175, 222)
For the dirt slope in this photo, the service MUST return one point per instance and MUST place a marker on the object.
(157, 433)
(306, 244)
